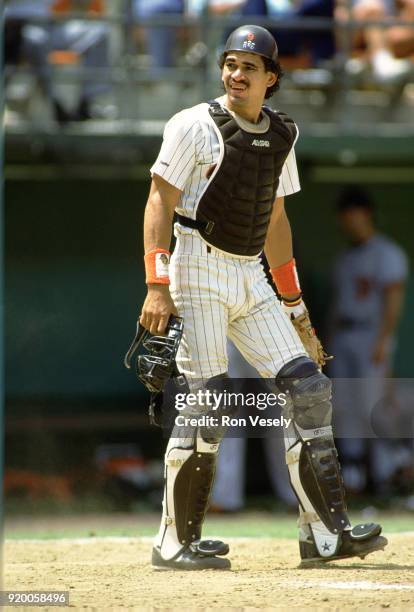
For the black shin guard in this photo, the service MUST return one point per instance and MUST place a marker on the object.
(311, 455)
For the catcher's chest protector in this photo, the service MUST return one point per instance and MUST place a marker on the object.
(238, 201)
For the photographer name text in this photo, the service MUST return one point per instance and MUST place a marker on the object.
(228, 421)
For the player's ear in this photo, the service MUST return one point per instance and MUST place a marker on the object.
(272, 79)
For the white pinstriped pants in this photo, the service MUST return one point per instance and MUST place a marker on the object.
(221, 295)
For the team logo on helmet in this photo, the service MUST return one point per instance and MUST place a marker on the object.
(248, 43)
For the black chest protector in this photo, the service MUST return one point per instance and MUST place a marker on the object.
(234, 212)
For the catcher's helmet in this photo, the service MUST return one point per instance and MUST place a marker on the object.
(158, 365)
(253, 39)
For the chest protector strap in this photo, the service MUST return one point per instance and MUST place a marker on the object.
(234, 211)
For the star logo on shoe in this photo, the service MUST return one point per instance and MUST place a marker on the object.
(326, 546)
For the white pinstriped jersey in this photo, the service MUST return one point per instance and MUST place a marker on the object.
(191, 146)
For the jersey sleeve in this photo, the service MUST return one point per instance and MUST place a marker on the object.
(394, 268)
(177, 155)
(289, 178)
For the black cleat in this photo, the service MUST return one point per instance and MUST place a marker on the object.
(198, 556)
(361, 541)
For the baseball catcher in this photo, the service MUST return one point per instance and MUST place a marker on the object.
(224, 169)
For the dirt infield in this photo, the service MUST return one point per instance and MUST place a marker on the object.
(113, 573)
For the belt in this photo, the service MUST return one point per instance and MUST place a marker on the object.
(205, 226)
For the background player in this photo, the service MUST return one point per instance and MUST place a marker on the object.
(369, 284)
(224, 167)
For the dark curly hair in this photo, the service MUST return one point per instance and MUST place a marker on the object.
(269, 66)
(355, 196)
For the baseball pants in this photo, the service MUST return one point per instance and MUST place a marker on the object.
(219, 296)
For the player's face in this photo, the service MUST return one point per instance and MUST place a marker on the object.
(356, 223)
(245, 81)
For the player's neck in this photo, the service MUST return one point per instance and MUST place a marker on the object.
(368, 234)
(248, 113)
(363, 237)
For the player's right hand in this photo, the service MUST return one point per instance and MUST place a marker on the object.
(157, 308)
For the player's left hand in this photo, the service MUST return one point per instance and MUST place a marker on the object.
(293, 312)
(299, 316)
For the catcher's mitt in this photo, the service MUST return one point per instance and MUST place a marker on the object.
(310, 340)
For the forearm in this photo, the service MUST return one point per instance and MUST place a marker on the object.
(278, 245)
(159, 212)
(393, 301)
(279, 252)
(157, 225)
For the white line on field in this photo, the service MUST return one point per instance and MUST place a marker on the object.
(146, 539)
(115, 539)
(361, 585)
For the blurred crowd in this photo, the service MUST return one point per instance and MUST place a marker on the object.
(37, 36)
(48, 35)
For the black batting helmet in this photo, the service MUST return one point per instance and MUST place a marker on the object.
(253, 39)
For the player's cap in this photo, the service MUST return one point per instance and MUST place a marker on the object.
(252, 39)
(354, 196)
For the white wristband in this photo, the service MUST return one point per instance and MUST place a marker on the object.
(295, 311)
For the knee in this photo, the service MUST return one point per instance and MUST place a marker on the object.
(220, 404)
(400, 41)
(310, 393)
(205, 405)
(211, 395)
(369, 9)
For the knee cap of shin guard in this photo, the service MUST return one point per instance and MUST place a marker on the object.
(301, 367)
(310, 391)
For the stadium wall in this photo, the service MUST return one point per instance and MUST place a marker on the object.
(75, 280)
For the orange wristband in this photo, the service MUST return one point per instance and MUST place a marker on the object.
(286, 278)
(156, 267)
